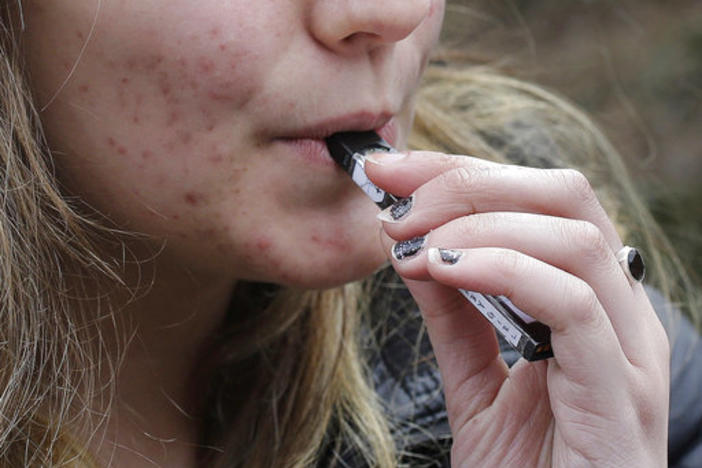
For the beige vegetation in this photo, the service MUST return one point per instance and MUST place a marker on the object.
(635, 65)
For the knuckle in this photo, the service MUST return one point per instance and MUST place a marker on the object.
(587, 240)
(450, 161)
(586, 305)
(660, 343)
(457, 180)
(661, 351)
(512, 266)
(477, 226)
(577, 185)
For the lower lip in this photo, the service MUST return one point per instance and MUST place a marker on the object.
(314, 151)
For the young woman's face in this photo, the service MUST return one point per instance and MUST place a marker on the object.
(201, 122)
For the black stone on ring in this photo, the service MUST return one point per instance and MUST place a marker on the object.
(632, 263)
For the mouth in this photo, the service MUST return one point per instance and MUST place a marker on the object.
(308, 142)
(361, 122)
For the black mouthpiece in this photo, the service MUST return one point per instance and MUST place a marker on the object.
(349, 150)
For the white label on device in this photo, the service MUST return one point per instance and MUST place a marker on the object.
(506, 329)
(361, 179)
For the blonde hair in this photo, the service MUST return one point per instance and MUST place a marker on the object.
(48, 266)
(291, 380)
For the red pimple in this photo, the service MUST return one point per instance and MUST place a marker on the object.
(124, 81)
(214, 32)
(223, 47)
(263, 244)
(215, 159)
(206, 65)
(122, 150)
(337, 242)
(111, 142)
(146, 154)
(193, 198)
(84, 88)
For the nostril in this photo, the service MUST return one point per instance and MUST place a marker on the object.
(361, 37)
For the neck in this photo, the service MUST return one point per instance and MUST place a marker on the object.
(155, 417)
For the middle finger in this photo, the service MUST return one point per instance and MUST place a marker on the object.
(469, 189)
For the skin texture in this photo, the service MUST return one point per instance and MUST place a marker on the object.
(541, 238)
(172, 119)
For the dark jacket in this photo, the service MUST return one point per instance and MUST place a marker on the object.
(411, 389)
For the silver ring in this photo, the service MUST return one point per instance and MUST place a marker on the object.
(632, 263)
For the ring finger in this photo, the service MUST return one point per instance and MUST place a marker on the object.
(576, 247)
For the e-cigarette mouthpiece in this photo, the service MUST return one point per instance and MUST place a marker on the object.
(349, 150)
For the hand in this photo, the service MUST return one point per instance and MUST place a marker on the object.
(541, 238)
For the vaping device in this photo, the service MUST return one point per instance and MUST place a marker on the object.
(532, 339)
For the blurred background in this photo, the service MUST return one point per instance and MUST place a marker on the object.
(634, 65)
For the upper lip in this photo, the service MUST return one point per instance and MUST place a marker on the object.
(358, 121)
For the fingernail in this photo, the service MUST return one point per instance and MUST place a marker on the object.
(397, 210)
(444, 256)
(384, 158)
(408, 248)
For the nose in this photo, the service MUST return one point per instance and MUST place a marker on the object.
(355, 26)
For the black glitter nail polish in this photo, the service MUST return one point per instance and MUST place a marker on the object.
(401, 207)
(450, 257)
(408, 248)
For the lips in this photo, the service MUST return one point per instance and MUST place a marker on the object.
(360, 121)
(308, 142)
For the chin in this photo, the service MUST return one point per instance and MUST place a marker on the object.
(328, 271)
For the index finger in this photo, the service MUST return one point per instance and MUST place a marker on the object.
(403, 173)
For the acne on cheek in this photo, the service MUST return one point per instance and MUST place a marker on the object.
(190, 93)
(336, 240)
(261, 251)
(263, 244)
(119, 148)
(194, 198)
(211, 75)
